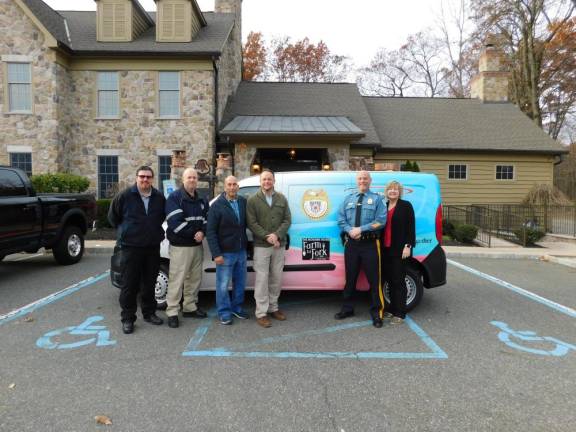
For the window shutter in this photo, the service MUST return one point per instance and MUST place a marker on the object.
(108, 20)
(167, 21)
(179, 20)
(119, 20)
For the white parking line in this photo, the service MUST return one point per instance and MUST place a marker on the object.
(17, 313)
(530, 295)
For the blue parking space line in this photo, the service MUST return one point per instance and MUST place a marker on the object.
(530, 295)
(435, 351)
(25, 310)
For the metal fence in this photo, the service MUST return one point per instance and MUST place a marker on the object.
(490, 223)
(554, 219)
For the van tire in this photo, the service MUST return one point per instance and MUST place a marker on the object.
(70, 247)
(415, 289)
(161, 288)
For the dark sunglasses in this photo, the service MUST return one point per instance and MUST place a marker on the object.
(144, 176)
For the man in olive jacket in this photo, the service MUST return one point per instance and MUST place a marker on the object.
(268, 217)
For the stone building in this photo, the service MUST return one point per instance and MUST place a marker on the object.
(100, 93)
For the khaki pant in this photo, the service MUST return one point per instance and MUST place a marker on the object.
(185, 277)
(268, 265)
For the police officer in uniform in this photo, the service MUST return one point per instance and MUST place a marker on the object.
(361, 219)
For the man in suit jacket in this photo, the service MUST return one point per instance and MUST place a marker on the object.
(226, 233)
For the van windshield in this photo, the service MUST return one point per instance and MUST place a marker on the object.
(248, 191)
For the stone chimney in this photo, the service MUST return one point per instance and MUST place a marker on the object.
(233, 72)
(491, 83)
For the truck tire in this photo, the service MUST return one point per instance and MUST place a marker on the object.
(70, 246)
(415, 289)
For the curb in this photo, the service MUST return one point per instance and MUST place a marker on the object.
(569, 262)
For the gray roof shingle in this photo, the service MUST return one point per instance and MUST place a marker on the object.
(210, 39)
(456, 124)
(302, 99)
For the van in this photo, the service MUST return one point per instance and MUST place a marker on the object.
(314, 250)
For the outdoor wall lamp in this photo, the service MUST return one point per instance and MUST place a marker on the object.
(326, 167)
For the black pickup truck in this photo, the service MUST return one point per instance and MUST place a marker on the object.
(29, 221)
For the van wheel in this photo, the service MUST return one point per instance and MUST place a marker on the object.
(414, 286)
(70, 246)
(161, 288)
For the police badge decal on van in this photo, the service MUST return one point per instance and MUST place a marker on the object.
(315, 203)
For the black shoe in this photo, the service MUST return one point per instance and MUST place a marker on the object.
(153, 319)
(344, 314)
(173, 322)
(127, 327)
(198, 313)
(377, 322)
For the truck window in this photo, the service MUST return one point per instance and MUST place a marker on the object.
(248, 191)
(11, 184)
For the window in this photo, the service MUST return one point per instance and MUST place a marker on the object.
(108, 101)
(107, 176)
(19, 87)
(169, 94)
(504, 172)
(248, 191)
(458, 172)
(11, 184)
(164, 169)
(22, 161)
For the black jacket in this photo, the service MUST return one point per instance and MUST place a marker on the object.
(186, 215)
(224, 232)
(403, 228)
(135, 227)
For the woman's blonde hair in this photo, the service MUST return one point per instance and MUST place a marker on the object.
(394, 185)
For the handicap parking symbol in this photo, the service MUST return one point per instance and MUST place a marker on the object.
(100, 335)
(508, 335)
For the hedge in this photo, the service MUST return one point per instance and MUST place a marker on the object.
(532, 235)
(465, 233)
(102, 213)
(59, 183)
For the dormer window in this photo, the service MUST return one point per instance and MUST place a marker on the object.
(121, 20)
(178, 20)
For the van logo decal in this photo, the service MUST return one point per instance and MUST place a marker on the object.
(315, 203)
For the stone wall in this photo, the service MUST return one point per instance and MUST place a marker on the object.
(139, 133)
(39, 130)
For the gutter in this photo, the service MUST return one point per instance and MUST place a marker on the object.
(212, 181)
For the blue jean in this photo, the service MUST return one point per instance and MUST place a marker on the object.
(233, 269)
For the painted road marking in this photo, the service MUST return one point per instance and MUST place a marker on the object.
(530, 295)
(505, 334)
(193, 350)
(24, 310)
(102, 335)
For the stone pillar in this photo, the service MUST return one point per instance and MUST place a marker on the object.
(358, 163)
(244, 156)
(178, 166)
(223, 170)
(339, 157)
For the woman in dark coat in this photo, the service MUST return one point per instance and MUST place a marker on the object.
(398, 240)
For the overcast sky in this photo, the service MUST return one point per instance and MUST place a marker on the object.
(355, 28)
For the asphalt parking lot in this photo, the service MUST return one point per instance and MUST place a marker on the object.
(493, 350)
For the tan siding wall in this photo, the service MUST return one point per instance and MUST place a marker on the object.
(194, 23)
(481, 187)
(138, 23)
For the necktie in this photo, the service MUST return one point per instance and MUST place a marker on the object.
(358, 210)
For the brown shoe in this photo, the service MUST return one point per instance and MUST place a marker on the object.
(278, 315)
(264, 322)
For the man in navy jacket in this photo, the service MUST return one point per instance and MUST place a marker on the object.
(186, 215)
(138, 214)
(226, 233)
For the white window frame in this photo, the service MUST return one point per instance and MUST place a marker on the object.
(29, 173)
(8, 84)
(159, 92)
(105, 153)
(505, 165)
(460, 164)
(99, 114)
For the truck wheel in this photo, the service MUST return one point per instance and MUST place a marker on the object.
(70, 247)
(161, 288)
(414, 286)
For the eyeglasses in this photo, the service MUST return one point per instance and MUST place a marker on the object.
(144, 176)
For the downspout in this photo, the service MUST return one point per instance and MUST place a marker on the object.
(216, 122)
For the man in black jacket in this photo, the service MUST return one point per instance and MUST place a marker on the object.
(186, 215)
(138, 214)
(226, 233)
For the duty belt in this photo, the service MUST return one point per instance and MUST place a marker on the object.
(366, 236)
